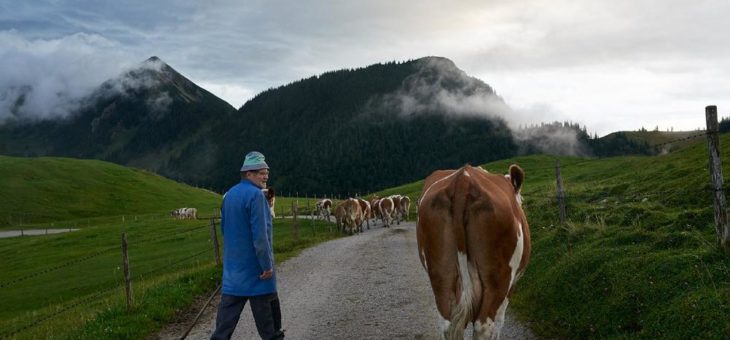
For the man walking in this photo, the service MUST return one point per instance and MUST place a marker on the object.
(248, 257)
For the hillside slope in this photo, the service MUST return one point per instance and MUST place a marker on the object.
(49, 189)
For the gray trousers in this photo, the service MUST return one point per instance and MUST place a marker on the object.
(266, 313)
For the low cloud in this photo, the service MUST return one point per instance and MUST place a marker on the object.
(440, 87)
(46, 78)
(553, 139)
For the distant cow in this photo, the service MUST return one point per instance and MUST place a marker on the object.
(365, 212)
(405, 206)
(185, 213)
(270, 194)
(375, 208)
(386, 208)
(396, 208)
(340, 216)
(474, 242)
(322, 209)
(353, 214)
(348, 215)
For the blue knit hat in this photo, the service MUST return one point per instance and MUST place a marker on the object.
(254, 161)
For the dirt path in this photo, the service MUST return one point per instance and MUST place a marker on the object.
(367, 286)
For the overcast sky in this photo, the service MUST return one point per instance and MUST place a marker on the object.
(608, 64)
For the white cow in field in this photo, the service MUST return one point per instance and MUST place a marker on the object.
(322, 209)
(185, 213)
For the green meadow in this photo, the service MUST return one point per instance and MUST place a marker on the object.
(636, 258)
(70, 285)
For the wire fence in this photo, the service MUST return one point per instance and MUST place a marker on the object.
(87, 257)
(160, 266)
(600, 196)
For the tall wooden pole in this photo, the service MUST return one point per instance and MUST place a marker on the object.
(560, 192)
(713, 144)
(127, 277)
(295, 221)
(214, 238)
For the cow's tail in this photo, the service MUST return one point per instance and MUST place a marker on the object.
(462, 308)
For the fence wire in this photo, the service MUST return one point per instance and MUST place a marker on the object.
(700, 134)
(60, 266)
(88, 300)
(94, 296)
(172, 264)
(172, 236)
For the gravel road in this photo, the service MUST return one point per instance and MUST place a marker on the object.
(367, 286)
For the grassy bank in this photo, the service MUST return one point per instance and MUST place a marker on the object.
(637, 257)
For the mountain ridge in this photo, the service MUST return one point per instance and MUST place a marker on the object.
(346, 131)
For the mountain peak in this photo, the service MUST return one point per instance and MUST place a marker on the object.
(155, 63)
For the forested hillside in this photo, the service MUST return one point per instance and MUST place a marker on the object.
(342, 132)
(346, 131)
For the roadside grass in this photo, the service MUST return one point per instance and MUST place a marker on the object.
(637, 257)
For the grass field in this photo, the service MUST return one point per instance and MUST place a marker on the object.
(637, 257)
(71, 285)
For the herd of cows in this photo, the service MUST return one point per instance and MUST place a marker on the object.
(472, 234)
(352, 213)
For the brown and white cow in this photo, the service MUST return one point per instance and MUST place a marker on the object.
(340, 216)
(352, 216)
(322, 209)
(375, 208)
(365, 206)
(474, 242)
(405, 206)
(270, 194)
(396, 208)
(387, 210)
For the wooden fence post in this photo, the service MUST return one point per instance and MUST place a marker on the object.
(214, 238)
(295, 221)
(127, 277)
(713, 144)
(560, 192)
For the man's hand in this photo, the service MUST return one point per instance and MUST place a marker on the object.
(267, 274)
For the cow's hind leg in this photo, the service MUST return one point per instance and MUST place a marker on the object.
(488, 326)
(490, 319)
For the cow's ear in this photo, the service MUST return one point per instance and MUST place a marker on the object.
(516, 176)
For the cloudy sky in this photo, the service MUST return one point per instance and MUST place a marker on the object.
(607, 64)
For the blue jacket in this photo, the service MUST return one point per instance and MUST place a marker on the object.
(247, 249)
